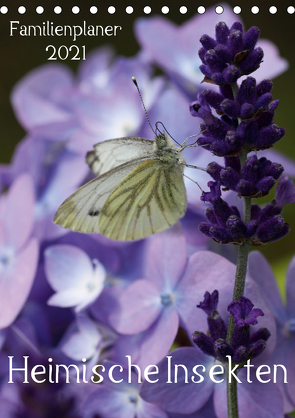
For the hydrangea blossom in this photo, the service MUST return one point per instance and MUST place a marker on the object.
(18, 251)
(76, 279)
(284, 316)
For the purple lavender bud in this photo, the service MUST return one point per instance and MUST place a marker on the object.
(233, 142)
(252, 61)
(245, 188)
(285, 191)
(243, 312)
(235, 41)
(220, 235)
(230, 108)
(214, 193)
(247, 91)
(202, 51)
(269, 229)
(265, 86)
(216, 326)
(240, 336)
(229, 177)
(255, 211)
(208, 42)
(231, 74)
(206, 71)
(215, 63)
(261, 334)
(231, 123)
(223, 53)
(210, 215)
(263, 101)
(251, 169)
(265, 119)
(235, 211)
(269, 211)
(205, 142)
(265, 184)
(271, 169)
(226, 91)
(257, 348)
(250, 38)
(247, 131)
(218, 129)
(210, 302)
(236, 227)
(268, 136)
(233, 162)
(241, 354)
(218, 78)
(204, 227)
(221, 33)
(214, 170)
(247, 111)
(222, 349)
(222, 211)
(251, 228)
(279, 234)
(237, 26)
(273, 105)
(212, 98)
(204, 342)
(219, 148)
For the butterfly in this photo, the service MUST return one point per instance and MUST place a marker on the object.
(139, 189)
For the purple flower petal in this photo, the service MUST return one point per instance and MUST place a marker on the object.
(16, 282)
(166, 257)
(205, 271)
(139, 306)
(179, 397)
(82, 340)
(255, 399)
(18, 211)
(41, 99)
(261, 272)
(141, 347)
(290, 289)
(76, 279)
(285, 192)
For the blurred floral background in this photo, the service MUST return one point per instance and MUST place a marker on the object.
(51, 115)
(21, 54)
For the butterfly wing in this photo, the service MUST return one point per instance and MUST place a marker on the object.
(150, 199)
(81, 211)
(114, 152)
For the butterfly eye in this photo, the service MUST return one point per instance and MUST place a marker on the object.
(161, 141)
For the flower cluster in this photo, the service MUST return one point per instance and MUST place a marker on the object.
(245, 124)
(243, 346)
(266, 224)
(231, 55)
(255, 179)
(246, 119)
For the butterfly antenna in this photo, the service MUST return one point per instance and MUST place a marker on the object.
(166, 132)
(141, 99)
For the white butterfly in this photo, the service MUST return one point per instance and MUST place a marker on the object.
(139, 189)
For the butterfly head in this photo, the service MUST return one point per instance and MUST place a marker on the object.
(161, 141)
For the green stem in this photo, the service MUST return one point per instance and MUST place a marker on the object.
(239, 287)
(232, 397)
